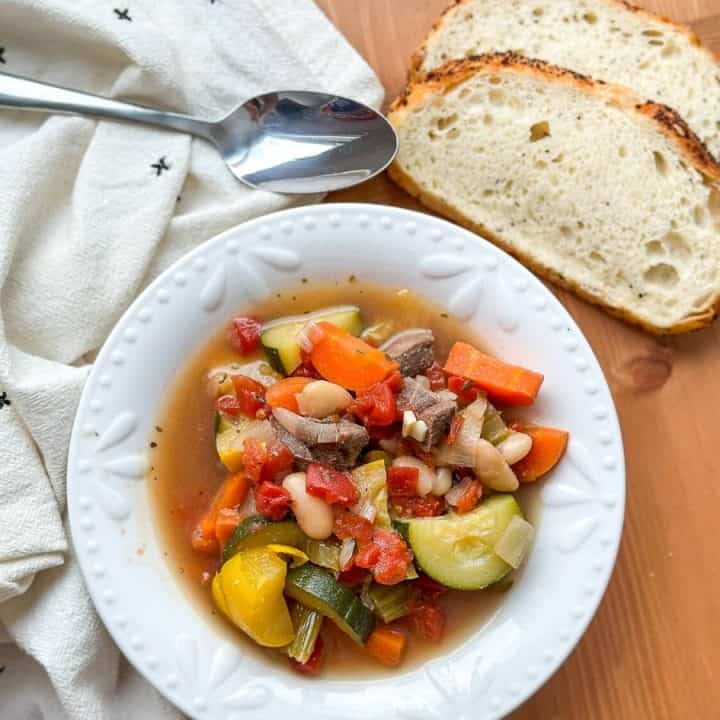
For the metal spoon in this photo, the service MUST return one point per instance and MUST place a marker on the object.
(288, 142)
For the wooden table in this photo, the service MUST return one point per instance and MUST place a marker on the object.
(653, 649)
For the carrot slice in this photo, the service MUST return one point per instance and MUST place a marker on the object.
(348, 361)
(505, 384)
(386, 645)
(226, 522)
(548, 447)
(231, 493)
(283, 393)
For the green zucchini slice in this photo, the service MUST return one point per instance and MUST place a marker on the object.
(279, 337)
(256, 531)
(318, 590)
(457, 550)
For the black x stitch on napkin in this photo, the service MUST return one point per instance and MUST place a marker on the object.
(160, 165)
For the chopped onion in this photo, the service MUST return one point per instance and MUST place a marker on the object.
(308, 336)
(347, 548)
(458, 454)
(463, 450)
(260, 430)
(453, 495)
(423, 381)
(515, 542)
(367, 510)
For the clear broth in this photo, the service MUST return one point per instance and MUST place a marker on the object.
(186, 471)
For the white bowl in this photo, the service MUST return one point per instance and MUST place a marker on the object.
(157, 626)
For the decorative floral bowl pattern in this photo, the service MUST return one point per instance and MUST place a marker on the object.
(152, 620)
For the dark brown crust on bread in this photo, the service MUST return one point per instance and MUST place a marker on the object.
(418, 56)
(664, 119)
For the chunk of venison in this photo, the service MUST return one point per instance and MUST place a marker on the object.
(337, 444)
(434, 409)
(412, 349)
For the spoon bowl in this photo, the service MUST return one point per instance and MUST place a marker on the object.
(285, 142)
(301, 142)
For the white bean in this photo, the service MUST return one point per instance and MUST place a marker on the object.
(443, 481)
(426, 477)
(492, 469)
(321, 398)
(515, 447)
(314, 516)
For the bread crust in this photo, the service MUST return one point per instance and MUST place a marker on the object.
(418, 57)
(661, 117)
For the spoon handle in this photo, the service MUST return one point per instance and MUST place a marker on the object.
(25, 94)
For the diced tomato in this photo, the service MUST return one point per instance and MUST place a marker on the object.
(306, 367)
(250, 394)
(335, 488)
(428, 506)
(313, 664)
(351, 525)
(244, 334)
(427, 619)
(436, 375)
(430, 589)
(254, 458)
(387, 556)
(466, 390)
(455, 428)
(273, 501)
(470, 498)
(229, 405)
(225, 523)
(279, 460)
(353, 576)
(403, 481)
(376, 405)
(368, 556)
(394, 381)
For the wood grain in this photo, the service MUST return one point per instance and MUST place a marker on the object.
(653, 649)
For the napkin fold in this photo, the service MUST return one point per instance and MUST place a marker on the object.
(90, 212)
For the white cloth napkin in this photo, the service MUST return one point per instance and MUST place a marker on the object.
(89, 213)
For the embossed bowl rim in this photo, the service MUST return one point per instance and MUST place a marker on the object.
(157, 626)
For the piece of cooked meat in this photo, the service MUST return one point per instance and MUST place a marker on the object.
(330, 443)
(412, 349)
(300, 451)
(435, 410)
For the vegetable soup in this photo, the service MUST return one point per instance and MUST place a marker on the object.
(338, 480)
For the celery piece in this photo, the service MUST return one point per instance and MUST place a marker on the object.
(390, 601)
(494, 429)
(307, 625)
(323, 553)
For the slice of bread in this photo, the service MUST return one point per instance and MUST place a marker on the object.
(584, 182)
(606, 39)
